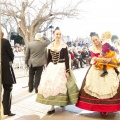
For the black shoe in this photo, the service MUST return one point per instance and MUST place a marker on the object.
(51, 112)
(116, 70)
(11, 114)
(62, 106)
(104, 114)
(76, 67)
(103, 74)
(36, 90)
(30, 90)
(82, 67)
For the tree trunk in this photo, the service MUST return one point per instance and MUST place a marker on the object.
(28, 35)
(26, 39)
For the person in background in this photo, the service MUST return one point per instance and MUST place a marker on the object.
(117, 47)
(85, 55)
(72, 58)
(101, 94)
(35, 59)
(81, 59)
(8, 77)
(76, 60)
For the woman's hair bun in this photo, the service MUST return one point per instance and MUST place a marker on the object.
(93, 34)
(57, 28)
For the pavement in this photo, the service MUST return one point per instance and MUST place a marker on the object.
(26, 108)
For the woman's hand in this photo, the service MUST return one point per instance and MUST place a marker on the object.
(67, 75)
(107, 60)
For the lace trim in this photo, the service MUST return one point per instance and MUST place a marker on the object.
(51, 47)
(94, 49)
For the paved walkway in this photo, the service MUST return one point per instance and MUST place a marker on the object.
(26, 108)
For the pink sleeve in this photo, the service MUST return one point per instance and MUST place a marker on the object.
(92, 54)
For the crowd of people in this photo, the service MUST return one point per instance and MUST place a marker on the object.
(79, 56)
(100, 90)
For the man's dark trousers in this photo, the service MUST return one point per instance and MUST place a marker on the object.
(34, 77)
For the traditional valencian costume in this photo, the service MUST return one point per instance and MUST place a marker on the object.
(98, 93)
(54, 88)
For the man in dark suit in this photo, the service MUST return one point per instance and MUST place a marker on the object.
(35, 59)
(8, 77)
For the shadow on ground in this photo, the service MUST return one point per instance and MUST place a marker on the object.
(65, 115)
(98, 116)
(29, 117)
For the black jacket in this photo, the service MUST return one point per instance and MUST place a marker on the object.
(7, 57)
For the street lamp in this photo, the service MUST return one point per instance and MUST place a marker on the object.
(51, 27)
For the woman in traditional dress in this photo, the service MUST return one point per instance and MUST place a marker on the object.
(57, 86)
(101, 94)
(108, 51)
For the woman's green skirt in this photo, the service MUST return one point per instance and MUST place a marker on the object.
(71, 97)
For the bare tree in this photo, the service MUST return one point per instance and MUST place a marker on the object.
(8, 24)
(31, 15)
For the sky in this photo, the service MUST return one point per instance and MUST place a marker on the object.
(98, 16)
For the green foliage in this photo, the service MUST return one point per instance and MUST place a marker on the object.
(17, 38)
(114, 37)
